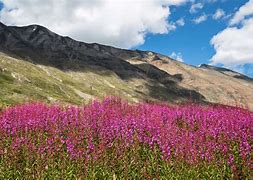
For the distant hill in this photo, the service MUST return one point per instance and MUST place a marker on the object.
(37, 64)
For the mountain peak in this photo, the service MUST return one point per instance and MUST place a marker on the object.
(143, 74)
(2, 25)
(215, 67)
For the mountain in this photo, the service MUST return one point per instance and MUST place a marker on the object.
(37, 64)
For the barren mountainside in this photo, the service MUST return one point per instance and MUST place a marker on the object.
(37, 64)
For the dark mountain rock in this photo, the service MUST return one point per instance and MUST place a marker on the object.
(226, 71)
(221, 69)
(39, 45)
(163, 78)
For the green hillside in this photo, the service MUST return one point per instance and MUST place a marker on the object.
(22, 81)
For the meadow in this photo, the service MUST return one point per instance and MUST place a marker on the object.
(112, 139)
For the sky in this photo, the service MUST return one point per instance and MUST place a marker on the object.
(215, 32)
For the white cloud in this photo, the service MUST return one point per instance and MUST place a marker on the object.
(177, 56)
(195, 7)
(200, 19)
(180, 22)
(242, 13)
(234, 45)
(219, 14)
(173, 25)
(122, 23)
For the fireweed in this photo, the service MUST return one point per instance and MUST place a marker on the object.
(37, 137)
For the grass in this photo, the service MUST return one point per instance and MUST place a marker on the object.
(43, 83)
(5, 78)
(137, 162)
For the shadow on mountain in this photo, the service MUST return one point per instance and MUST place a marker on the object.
(39, 45)
(243, 78)
(174, 94)
(166, 88)
(81, 63)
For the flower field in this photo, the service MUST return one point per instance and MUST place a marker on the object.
(113, 139)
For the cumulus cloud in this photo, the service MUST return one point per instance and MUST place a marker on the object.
(234, 45)
(180, 22)
(242, 13)
(218, 14)
(195, 7)
(177, 56)
(200, 19)
(122, 23)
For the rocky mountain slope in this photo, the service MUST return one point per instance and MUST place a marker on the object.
(37, 64)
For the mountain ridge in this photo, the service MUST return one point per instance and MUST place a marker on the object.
(160, 77)
(98, 46)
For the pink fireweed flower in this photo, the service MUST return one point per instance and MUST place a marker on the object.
(190, 132)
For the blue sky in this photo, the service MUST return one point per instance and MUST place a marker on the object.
(150, 25)
(193, 40)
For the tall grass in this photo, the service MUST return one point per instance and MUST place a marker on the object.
(114, 139)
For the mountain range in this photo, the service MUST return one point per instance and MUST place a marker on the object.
(37, 64)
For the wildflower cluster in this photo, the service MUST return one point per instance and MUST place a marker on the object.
(150, 139)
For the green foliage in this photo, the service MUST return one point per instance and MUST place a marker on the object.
(138, 162)
(5, 78)
(48, 84)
